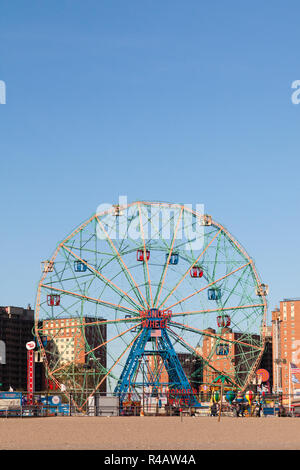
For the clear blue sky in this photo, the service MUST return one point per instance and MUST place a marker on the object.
(180, 101)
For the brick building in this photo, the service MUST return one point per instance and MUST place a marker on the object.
(286, 347)
(232, 356)
(76, 341)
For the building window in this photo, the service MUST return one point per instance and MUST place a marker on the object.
(284, 311)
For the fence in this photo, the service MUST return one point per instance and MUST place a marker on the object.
(16, 404)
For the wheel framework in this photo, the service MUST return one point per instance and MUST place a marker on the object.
(105, 283)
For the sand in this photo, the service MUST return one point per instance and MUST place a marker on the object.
(151, 433)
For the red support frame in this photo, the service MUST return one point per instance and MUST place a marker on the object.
(30, 376)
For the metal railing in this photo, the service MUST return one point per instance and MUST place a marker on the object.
(15, 404)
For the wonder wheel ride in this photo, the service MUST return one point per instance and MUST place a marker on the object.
(149, 298)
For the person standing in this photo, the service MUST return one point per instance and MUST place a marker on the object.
(238, 409)
(213, 409)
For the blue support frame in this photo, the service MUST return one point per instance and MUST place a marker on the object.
(165, 349)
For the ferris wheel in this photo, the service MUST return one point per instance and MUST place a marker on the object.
(136, 288)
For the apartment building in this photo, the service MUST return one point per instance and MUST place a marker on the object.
(78, 342)
(286, 348)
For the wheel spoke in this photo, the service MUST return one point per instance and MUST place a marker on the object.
(240, 307)
(168, 259)
(186, 273)
(212, 335)
(112, 367)
(209, 285)
(195, 352)
(145, 256)
(99, 346)
(106, 280)
(136, 288)
(92, 299)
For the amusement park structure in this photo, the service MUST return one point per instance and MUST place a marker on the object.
(145, 283)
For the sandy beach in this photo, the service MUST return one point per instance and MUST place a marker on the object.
(149, 433)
